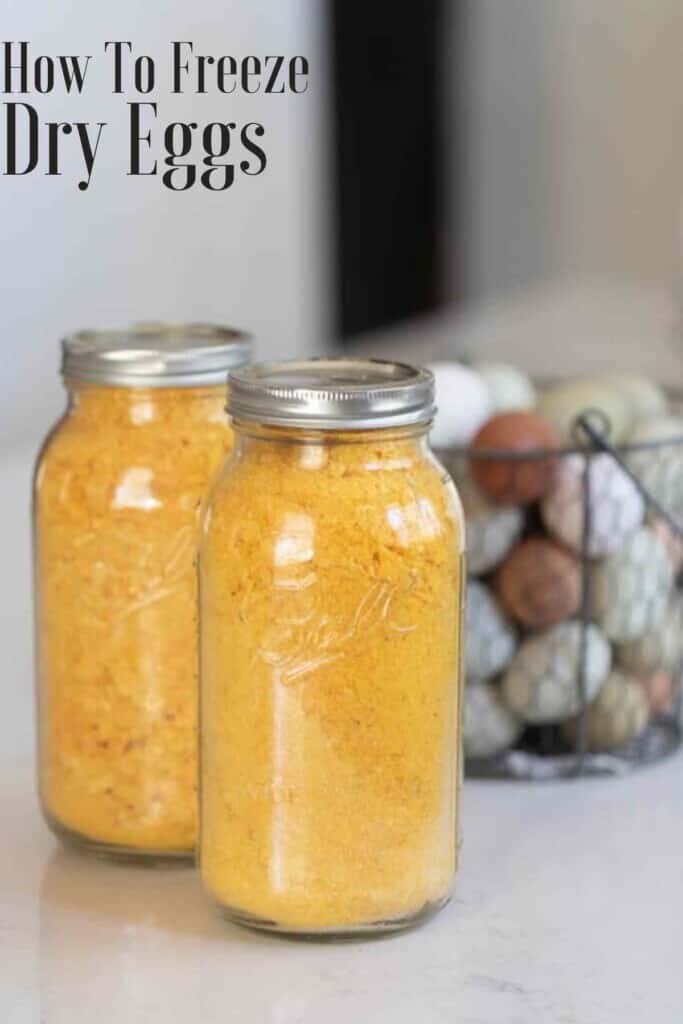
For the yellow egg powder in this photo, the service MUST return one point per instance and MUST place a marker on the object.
(331, 590)
(117, 503)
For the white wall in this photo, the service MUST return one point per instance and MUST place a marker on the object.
(573, 139)
(128, 249)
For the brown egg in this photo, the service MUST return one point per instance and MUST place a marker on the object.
(515, 480)
(672, 542)
(539, 584)
(661, 690)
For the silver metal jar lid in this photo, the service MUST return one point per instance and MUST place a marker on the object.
(344, 394)
(155, 355)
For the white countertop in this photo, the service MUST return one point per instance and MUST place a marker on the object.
(568, 908)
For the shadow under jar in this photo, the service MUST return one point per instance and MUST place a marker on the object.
(118, 489)
(331, 578)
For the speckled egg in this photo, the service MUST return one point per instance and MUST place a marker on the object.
(661, 648)
(489, 727)
(490, 638)
(510, 388)
(660, 469)
(630, 589)
(539, 584)
(561, 405)
(514, 480)
(661, 690)
(618, 715)
(542, 683)
(616, 507)
(492, 530)
(463, 404)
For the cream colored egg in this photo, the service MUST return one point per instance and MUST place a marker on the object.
(489, 727)
(644, 396)
(660, 649)
(630, 589)
(510, 388)
(619, 714)
(562, 403)
(490, 638)
(542, 683)
(657, 428)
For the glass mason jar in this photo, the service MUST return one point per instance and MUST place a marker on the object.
(331, 585)
(118, 488)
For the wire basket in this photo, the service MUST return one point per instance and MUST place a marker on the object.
(574, 641)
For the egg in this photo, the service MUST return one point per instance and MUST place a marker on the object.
(659, 467)
(541, 685)
(657, 429)
(661, 648)
(644, 397)
(514, 480)
(619, 714)
(463, 404)
(490, 639)
(661, 690)
(510, 388)
(489, 727)
(540, 583)
(492, 530)
(630, 589)
(564, 402)
(671, 541)
(616, 506)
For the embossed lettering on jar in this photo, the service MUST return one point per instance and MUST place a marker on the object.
(118, 490)
(331, 589)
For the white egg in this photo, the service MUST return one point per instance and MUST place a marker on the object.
(660, 649)
(542, 683)
(492, 530)
(659, 467)
(562, 403)
(616, 506)
(510, 388)
(490, 638)
(618, 715)
(463, 405)
(489, 727)
(630, 590)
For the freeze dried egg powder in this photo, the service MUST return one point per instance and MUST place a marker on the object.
(331, 589)
(118, 493)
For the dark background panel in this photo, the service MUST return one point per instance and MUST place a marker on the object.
(388, 160)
